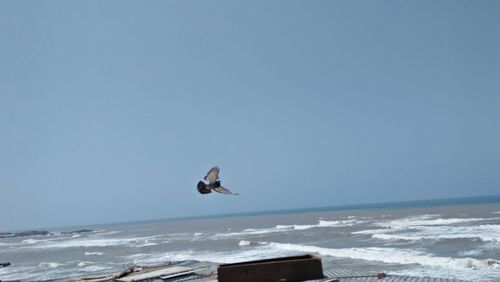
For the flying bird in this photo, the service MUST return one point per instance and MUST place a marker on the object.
(212, 178)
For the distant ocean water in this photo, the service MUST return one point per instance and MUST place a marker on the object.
(458, 238)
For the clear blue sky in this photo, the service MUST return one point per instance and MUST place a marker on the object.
(113, 110)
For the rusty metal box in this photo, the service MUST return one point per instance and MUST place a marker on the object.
(294, 268)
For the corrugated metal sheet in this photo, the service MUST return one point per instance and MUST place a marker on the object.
(207, 272)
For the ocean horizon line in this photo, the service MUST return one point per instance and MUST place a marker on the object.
(488, 199)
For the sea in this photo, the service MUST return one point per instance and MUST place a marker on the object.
(455, 238)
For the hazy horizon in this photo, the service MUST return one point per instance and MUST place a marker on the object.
(355, 206)
(113, 111)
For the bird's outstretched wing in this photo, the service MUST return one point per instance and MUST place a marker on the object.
(212, 175)
(223, 190)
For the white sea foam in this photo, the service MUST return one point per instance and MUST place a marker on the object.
(470, 253)
(244, 243)
(428, 227)
(146, 244)
(49, 264)
(427, 220)
(218, 257)
(84, 263)
(252, 231)
(17, 273)
(93, 253)
(321, 223)
(461, 267)
(397, 256)
(285, 228)
(467, 274)
(372, 231)
(96, 242)
(181, 235)
(12, 244)
(485, 232)
(31, 241)
(291, 227)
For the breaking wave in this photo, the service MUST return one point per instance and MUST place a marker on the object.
(435, 266)
(31, 241)
(272, 249)
(460, 268)
(470, 253)
(95, 242)
(285, 228)
(487, 233)
(386, 255)
(427, 220)
(93, 253)
(321, 223)
(50, 264)
(244, 243)
(427, 227)
(217, 257)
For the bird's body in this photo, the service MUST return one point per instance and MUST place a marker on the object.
(212, 178)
